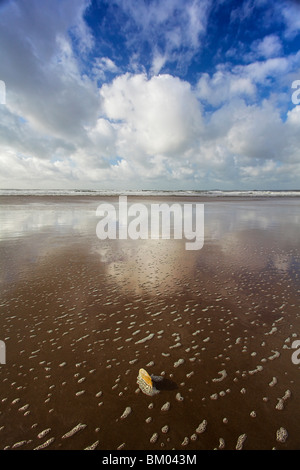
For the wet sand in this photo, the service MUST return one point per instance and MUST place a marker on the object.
(80, 317)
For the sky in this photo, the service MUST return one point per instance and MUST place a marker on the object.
(150, 94)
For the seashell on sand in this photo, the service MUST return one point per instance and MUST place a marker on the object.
(146, 383)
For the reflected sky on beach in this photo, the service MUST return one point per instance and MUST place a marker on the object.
(221, 217)
(17, 221)
(248, 234)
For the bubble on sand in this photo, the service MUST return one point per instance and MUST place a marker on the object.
(92, 446)
(154, 438)
(24, 408)
(274, 356)
(16, 400)
(240, 441)
(214, 396)
(126, 412)
(281, 435)
(166, 406)
(45, 444)
(179, 397)
(18, 444)
(273, 382)
(73, 431)
(189, 375)
(147, 338)
(178, 363)
(221, 443)
(281, 401)
(202, 427)
(44, 433)
(223, 375)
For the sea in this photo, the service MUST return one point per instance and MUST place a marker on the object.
(117, 192)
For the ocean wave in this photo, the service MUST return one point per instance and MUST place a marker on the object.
(104, 192)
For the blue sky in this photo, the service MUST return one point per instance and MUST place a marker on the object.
(145, 94)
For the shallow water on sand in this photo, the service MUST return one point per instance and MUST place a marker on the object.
(80, 317)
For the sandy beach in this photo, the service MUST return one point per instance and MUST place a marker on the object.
(80, 317)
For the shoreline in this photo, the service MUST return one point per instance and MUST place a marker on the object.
(17, 199)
